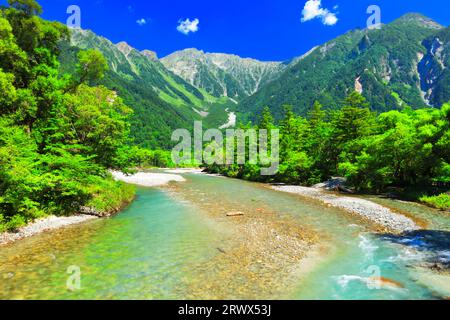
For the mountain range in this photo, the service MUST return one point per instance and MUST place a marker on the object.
(223, 74)
(161, 100)
(403, 63)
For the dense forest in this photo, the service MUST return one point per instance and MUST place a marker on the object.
(58, 134)
(403, 151)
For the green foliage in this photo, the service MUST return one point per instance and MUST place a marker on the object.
(441, 201)
(9, 95)
(267, 120)
(97, 121)
(410, 148)
(109, 196)
(91, 66)
(317, 115)
(145, 158)
(30, 7)
(407, 149)
(55, 144)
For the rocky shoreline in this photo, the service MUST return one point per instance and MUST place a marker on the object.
(376, 213)
(147, 179)
(43, 225)
(369, 210)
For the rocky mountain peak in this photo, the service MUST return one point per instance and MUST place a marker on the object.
(124, 47)
(190, 53)
(222, 74)
(150, 54)
(418, 18)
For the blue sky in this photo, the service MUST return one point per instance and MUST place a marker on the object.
(262, 29)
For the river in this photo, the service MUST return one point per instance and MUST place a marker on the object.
(177, 242)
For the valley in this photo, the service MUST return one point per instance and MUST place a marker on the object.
(94, 204)
(411, 71)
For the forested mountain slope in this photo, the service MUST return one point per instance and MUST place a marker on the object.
(161, 100)
(404, 63)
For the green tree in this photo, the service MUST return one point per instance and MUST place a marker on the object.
(316, 115)
(55, 146)
(92, 66)
(267, 121)
(12, 58)
(29, 7)
(97, 120)
(354, 120)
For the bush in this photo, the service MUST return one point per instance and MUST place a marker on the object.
(2, 224)
(109, 196)
(15, 223)
(441, 201)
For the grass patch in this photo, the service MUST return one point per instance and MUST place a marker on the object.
(441, 201)
(109, 196)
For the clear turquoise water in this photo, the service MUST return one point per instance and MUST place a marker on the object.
(143, 253)
(159, 246)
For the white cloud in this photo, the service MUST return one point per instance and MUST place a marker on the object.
(141, 22)
(187, 26)
(313, 9)
(330, 19)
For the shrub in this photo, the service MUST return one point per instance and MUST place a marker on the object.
(15, 223)
(441, 201)
(109, 196)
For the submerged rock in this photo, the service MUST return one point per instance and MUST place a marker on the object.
(385, 282)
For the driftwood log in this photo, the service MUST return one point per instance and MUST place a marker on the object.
(235, 214)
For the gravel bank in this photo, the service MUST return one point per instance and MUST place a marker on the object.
(184, 171)
(147, 179)
(367, 209)
(42, 225)
(260, 254)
